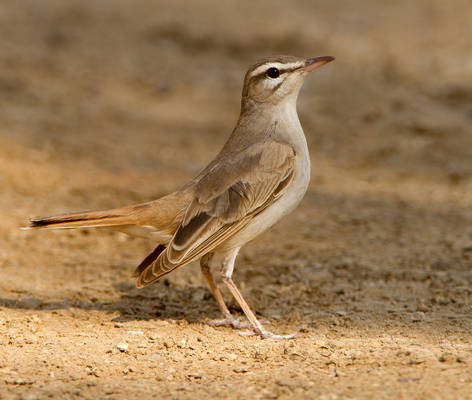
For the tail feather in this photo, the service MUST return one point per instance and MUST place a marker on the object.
(118, 216)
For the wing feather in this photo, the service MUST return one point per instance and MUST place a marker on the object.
(228, 196)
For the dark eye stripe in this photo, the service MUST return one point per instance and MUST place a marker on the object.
(262, 74)
(283, 71)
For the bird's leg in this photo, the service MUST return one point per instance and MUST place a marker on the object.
(228, 319)
(256, 326)
(205, 268)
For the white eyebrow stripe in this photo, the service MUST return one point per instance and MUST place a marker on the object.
(278, 65)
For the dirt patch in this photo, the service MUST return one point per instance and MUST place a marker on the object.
(109, 103)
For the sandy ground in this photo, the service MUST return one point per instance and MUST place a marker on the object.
(109, 103)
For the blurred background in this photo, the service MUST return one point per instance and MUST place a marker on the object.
(112, 102)
(124, 84)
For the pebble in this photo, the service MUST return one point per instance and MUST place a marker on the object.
(240, 370)
(422, 307)
(285, 382)
(195, 376)
(417, 316)
(122, 346)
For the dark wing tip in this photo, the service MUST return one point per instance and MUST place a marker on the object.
(148, 260)
(37, 222)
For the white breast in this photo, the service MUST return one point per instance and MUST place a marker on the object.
(283, 206)
(290, 131)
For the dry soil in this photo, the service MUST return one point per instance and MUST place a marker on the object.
(108, 103)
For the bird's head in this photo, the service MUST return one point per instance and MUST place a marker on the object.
(278, 79)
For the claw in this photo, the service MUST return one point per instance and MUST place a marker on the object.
(232, 322)
(253, 330)
(235, 323)
(267, 335)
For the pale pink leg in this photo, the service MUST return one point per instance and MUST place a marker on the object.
(256, 326)
(228, 319)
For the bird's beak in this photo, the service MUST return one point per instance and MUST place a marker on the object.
(313, 63)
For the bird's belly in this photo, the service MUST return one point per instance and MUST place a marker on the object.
(283, 206)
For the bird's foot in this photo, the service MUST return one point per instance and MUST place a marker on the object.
(235, 323)
(267, 335)
(232, 322)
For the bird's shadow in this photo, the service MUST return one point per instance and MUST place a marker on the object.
(158, 302)
(316, 296)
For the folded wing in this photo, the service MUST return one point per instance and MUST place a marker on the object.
(228, 196)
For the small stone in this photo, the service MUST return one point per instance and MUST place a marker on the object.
(195, 376)
(240, 370)
(417, 316)
(35, 318)
(30, 396)
(122, 346)
(325, 351)
(421, 307)
(332, 371)
(447, 357)
(285, 382)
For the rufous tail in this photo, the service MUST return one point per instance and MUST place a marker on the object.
(117, 216)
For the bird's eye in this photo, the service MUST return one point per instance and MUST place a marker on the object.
(273, 73)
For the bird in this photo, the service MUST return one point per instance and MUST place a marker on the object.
(260, 175)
